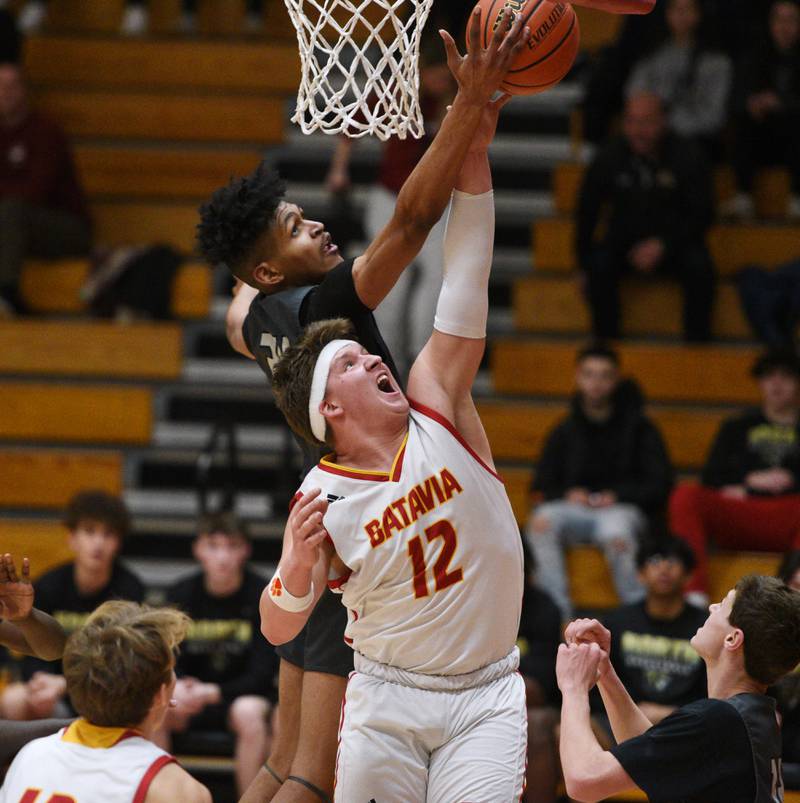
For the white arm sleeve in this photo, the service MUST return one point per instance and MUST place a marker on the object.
(463, 306)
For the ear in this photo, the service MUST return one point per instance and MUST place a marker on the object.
(330, 411)
(268, 277)
(734, 640)
(196, 549)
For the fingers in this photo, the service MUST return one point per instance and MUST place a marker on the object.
(3, 570)
(26, 570)
(474, 32)
(501, 28)
(453, 56)
(11, 569)
(515, 37)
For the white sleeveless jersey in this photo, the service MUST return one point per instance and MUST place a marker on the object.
(434, 553)
(84, 764)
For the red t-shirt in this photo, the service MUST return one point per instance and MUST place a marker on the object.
(36, 165)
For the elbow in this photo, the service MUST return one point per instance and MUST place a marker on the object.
(580, 787)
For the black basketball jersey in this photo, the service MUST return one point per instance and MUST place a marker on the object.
(274, 322)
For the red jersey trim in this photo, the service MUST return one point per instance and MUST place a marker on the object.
(339, 581)
(147, 778)
(440, 419)
(393, 475)
(295, 499)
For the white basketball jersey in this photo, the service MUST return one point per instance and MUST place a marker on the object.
(84, 764)
(434, 553)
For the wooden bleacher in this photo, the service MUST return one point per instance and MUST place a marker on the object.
(44, 542)
(47, 411)
(137, 222)
(48, 478)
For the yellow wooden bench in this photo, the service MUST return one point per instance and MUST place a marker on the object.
(48, 478)
(732, 246)
(55, 286)
(91, 348)
(44, 542)
(151, 64)
(138, 222)
(666, 372)
(158, 116)
(555, 304)
(517, 431)
(40, 411)
(160, 173)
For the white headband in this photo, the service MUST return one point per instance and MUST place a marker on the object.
(320, 382)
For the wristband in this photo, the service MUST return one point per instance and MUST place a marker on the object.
(280, 595)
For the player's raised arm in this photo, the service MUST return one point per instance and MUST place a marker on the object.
(425, 195)
(26, 629)
(618, 6)
(443, 373)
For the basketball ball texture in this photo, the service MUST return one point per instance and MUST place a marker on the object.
(550, 49)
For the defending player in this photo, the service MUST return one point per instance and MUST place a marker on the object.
(119, 671)
(420, 538)
(293, 275)
(724, 749)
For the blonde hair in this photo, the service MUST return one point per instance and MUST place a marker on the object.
(116, 663)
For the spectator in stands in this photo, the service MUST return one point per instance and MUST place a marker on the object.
(98, 523)
(692, 81)
(656, 188)
(770, 299)
(538, 640)
(119, 671)
(43, 212)
(135, 21)
(750, 492)
(603, 470)
(767, 109)
(405, 317)
(650, 639)
(226, 668)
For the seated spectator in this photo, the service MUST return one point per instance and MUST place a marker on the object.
(650, 639)
(771, 301)
(603, 470)
(767, 109)
(538, 640)
(97, 524)
(644, 206)
(28, 631)
(749, 497)
(119, 673)
(42, 209)
(226, 667)
(692, 81)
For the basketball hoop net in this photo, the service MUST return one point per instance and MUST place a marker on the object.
(359, 66)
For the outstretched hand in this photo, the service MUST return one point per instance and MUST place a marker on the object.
(16, 593)
(480, 72)
(305, 528)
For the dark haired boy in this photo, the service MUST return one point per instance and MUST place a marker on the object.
(225, 668)
(650, 640)
(750, 492)
(603, 470)
(723, 749)
(97, 524)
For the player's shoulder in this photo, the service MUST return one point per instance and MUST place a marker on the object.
(172, 783)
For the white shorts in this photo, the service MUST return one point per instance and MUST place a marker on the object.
(410, 738)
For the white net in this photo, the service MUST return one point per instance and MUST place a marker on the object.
(359, 66)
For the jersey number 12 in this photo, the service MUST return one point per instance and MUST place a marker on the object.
(442, 578)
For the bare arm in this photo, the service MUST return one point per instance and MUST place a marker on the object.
(618, 6)
(172, 782)
(590, 773)
(243, 295)
(26, 629)
(426, 193)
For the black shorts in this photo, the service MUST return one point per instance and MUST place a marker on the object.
(320, 645)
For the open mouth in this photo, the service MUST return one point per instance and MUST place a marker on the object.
(329, 247)
(384, 383)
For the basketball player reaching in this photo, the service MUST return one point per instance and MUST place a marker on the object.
(409, 520)
(723, 749)
(29, 631)
(291, 274)
(120, 678)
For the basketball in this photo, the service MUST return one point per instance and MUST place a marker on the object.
(550, 50)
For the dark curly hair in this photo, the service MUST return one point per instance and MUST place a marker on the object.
(236, 216)
(98, 506)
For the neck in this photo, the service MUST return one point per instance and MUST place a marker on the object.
(371, 450)
(223, 587)
(597, 411)
(666, 608)
(725, 681)
(781, 415)
(89, 582)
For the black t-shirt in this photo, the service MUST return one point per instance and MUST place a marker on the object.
(57, 594)
(710, 751)
(224, 644)
(274, 322)
(653, 657)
